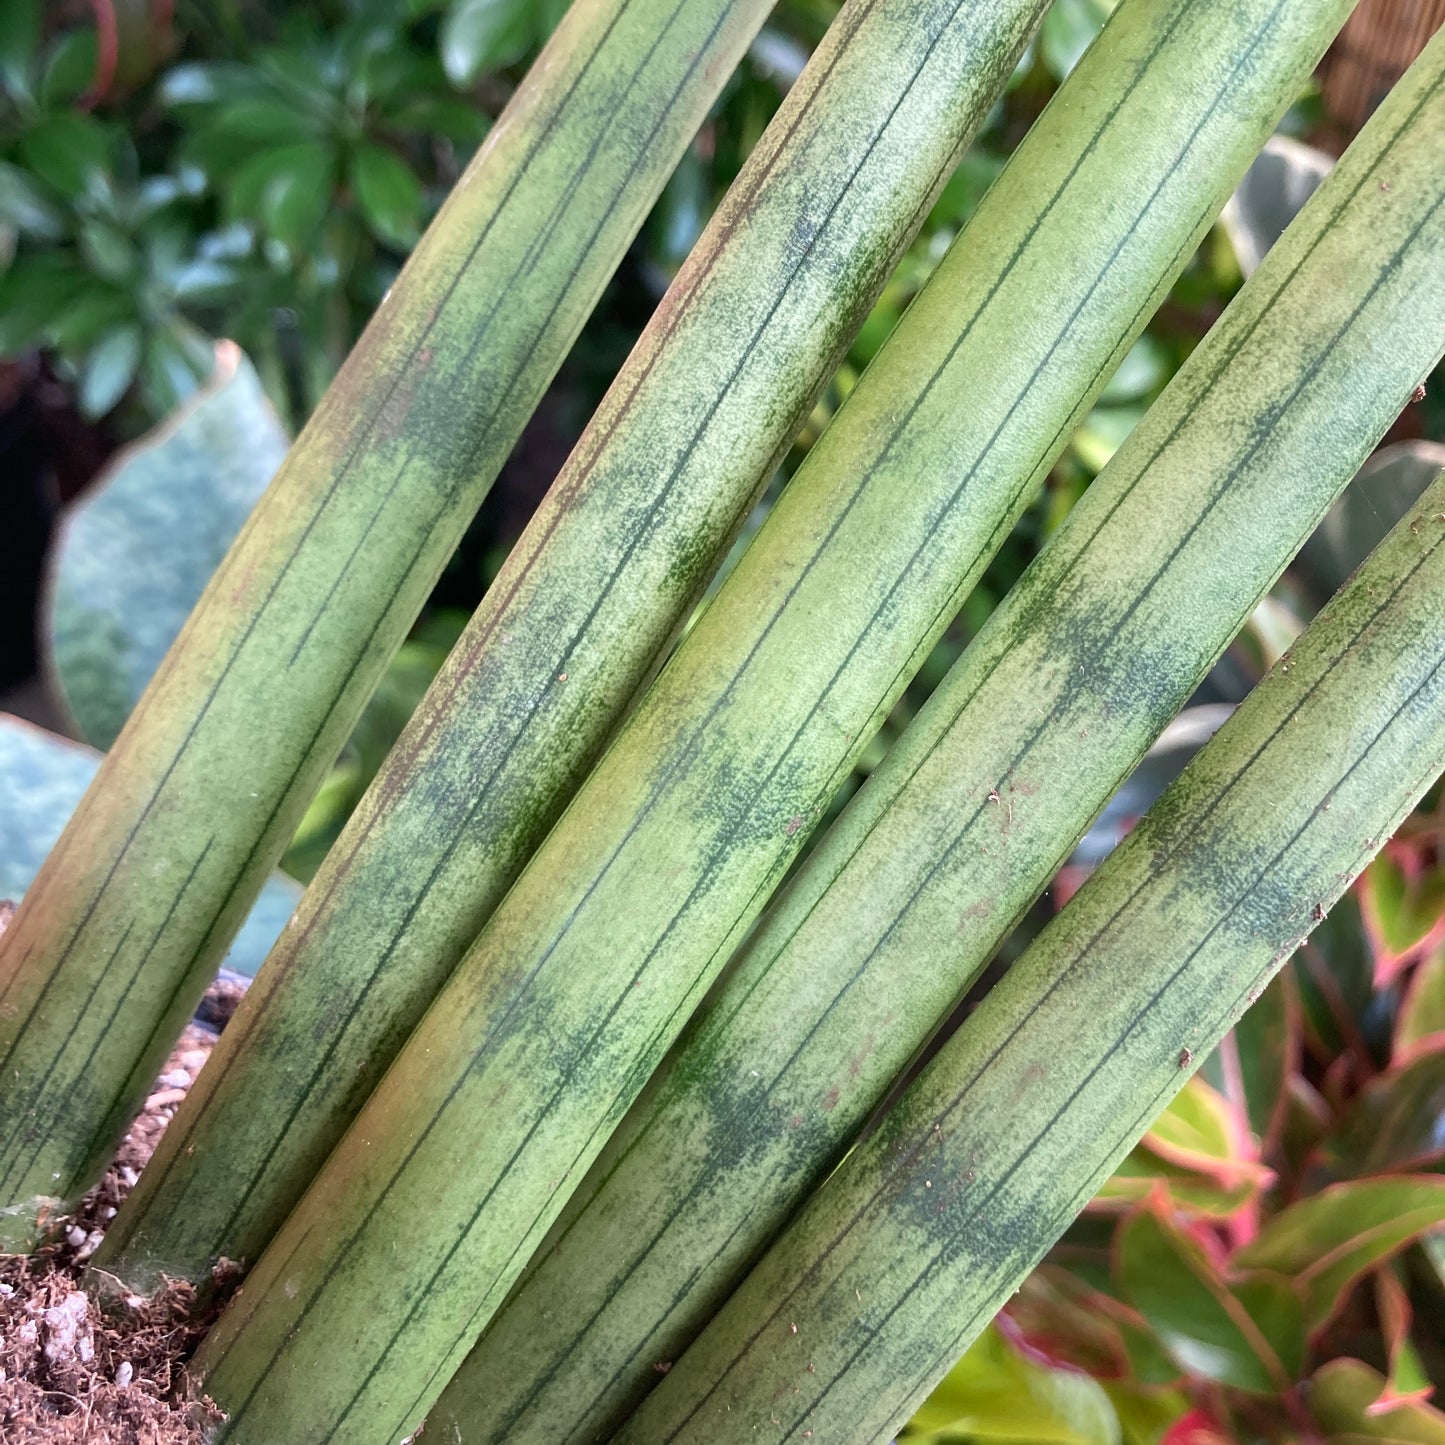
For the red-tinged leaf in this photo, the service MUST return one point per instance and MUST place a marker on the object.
(1407, 1382)
(1421, 1024)
(1403, 904)
(1395, 1123)
(1203, 1132)
(1070, 1322)
(1141, 1172)
(1326, 1242)
(1001, 1391)
(1340, 1396)
(1195, 1428)
(1239, 1336)
(1147, 1416)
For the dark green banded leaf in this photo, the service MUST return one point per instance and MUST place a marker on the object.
(895, 911)
(114, 943)
(623, 917)
(902, 1257)
(592, 593)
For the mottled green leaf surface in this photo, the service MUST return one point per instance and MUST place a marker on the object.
(136, 550)
(925, 1230)
(42, 778)
(114, 942)
(622, 918)
(590, 596)
(966, 821)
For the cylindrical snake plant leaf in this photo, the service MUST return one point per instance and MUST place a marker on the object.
(118, 937)
(905, 1254)
(965, 822)
(667, 470)
(588, 968)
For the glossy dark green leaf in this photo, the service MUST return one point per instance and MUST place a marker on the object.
(68, 150)
(19, 36)
(27, 206)
(480, 35)
(298, 196)
(94, 306)
(68, 69)
(108, 251)
(388, 193)
(33, 293)
(264, 119)
(109, 370)
(1326, 1242)
(288, 189)
(170, 373)
(1211, 1331)
(135, 553)
(1396, 1122)
(444, 115)
(42, 777)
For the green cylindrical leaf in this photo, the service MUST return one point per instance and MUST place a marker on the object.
(625, 914)
(115, 942)
(657, 486)
(918, 1238)
(896, 910)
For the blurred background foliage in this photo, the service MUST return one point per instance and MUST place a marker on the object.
(173, 173)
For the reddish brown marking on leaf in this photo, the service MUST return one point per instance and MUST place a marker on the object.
(976, 911)
(830, 1099)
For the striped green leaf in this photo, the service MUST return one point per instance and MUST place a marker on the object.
(116, 940)
(907, 898)
(713, 393)
(622, 918)
(908, 1250)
